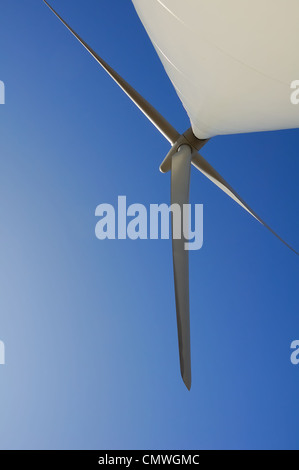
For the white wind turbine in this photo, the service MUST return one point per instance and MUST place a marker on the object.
(232, 69)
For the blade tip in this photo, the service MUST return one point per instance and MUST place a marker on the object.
(187, 382)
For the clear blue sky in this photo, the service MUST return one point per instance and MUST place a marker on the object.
(89, 326)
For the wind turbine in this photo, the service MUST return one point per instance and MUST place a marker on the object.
(158, 18)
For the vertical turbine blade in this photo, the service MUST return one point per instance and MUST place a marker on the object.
(180, 184)
(148, 110)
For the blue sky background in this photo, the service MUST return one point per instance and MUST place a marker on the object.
(89, 326)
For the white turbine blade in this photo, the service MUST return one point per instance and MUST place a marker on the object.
(148, 110)
(180, 184)
(206, 169)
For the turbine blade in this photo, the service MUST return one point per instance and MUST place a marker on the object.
(148, 110)
(206, 169)
(180, 184)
